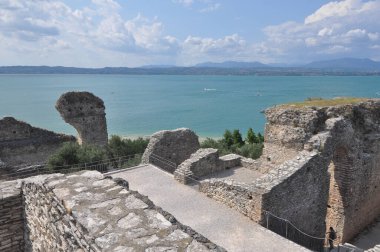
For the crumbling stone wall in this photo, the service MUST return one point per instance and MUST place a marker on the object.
(86, 211)
(204, 162)
(174, 146)
(326, 171)
(200, 163)
(23, 144)
(86, 113)
(347, 143)
(11, 218)
(49, 223)
(245, 198)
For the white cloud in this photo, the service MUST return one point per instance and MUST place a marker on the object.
(230, 47)
(39, 28)
(202, 6)
(335, 9)
(342, 28)
(210, 8)
(51, 32)
(185, 3)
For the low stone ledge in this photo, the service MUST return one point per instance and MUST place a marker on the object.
(201, 163)
(230, 161)
(245, 198)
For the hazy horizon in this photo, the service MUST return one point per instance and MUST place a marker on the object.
(114, 33)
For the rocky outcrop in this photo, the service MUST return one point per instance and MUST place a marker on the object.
(22, 144)
(86, 113)
(169, 148)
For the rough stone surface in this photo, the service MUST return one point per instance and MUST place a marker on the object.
(174, 146)
(231, 161)
(87, 212)
(23, 145)
(11, 218)
(320, 168)
(86, 113)
(201, 163)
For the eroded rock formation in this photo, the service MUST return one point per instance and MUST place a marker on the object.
(174, 146)
(23, 144)
(86, 113)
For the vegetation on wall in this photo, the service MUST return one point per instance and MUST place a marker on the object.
(232, 142)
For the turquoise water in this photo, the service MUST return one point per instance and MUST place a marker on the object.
(141, 105)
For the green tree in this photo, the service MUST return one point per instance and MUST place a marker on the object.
(228, 139)
(251, 136)
(237, 138)
(260, 138)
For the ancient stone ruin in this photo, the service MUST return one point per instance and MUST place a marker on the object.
(86, 113)
(169, 148)
(88, 212)
(204, 162)
(320, 168)
(22, 144)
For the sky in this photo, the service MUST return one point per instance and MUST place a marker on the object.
(132, 33)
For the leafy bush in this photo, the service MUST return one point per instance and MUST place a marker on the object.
(233, 143)
(216, 144)
(118, 147)
(73, 154)
(251, 150)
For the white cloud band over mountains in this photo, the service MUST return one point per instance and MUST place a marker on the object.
(50, 32)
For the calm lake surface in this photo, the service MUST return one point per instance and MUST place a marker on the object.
(139, 105)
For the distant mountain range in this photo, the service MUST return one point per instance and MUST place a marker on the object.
(344, 66)
(232, 64)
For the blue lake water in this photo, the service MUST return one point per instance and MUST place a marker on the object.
(139, 105)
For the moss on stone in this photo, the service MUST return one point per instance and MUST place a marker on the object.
(320, 102)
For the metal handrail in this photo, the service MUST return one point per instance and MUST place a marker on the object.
(68, 169)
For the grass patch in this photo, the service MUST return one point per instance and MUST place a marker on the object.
(320, 102)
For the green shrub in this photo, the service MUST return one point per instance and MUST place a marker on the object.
(251, 150)
(220, 145)
(71, 154)
(118, 147)
(233, 143)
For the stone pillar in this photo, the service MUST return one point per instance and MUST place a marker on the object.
(86, 113)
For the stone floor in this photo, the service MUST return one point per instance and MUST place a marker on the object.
(239, 174)
(370, 237)
(217, 222)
